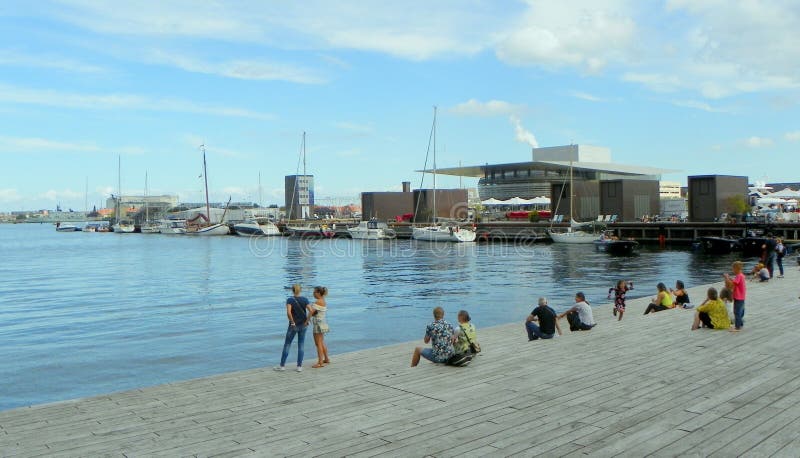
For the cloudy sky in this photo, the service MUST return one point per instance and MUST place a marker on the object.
(703, 86)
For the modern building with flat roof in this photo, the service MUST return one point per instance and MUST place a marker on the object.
(548, 166)
(299, 196)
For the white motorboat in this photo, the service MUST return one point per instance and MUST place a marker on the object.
(258, 226)
(443, 233)
(67, 228)
(372, 230)
(439, 233)
(173, 226)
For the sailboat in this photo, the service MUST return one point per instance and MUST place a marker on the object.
(208, 229)
(438, 232)
(573, 234)
(148, 227)
(257, 225)
(121, 226)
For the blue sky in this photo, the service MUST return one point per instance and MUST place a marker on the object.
(700, 86)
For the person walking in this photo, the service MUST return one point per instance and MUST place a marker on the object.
(319, 325)
(738, 285)
(780, 252)
(298, 312)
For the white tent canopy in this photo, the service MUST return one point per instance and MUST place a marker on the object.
(492, 201)
(517, 201)
(542, 200)
(769, 200)
(788, 192)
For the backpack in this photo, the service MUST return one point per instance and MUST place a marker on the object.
(459, 360)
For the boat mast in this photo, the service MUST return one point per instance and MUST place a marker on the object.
(119, 188)
(434, 164)
(146, 203)
(260, 202)
(205, 179)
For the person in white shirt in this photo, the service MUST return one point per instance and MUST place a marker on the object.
(580, 316)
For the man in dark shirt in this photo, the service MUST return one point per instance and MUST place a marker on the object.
(768, 250)
(548, 324)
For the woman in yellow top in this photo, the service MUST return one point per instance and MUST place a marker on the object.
(661, 302)
(712, 313)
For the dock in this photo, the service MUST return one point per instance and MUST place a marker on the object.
(644, 385)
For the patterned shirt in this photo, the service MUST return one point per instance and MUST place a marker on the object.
(441, 334)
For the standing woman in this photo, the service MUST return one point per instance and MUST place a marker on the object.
(320, 325)
(780, 252)
(661, 302)
(298, 312)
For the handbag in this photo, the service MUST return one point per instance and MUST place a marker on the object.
(474, 347)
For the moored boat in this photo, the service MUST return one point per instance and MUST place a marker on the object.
(372, 230)
(718, 245)
(311, 231)
(258, 226)
(67, 228)
(172, 226)
(752, 246)
(443, 233)
(612, 246)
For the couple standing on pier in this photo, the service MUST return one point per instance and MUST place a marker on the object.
(300, 313)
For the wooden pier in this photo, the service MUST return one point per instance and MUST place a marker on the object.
(645, 385)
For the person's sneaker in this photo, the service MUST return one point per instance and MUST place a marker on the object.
(780, 276)
(299, 369)
(279, 368)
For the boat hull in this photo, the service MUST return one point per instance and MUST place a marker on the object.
(751, 246)
(124, 228)
(311, 233)
(213, 230)
(574, 237)
(69, 228)
(441, 234)
(719, 245)
(619, 247)
(248, 229)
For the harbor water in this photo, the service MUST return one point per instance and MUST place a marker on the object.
(84, 314)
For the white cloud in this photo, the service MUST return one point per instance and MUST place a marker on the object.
(585, 96)
(18, 59)
(239, 69)
(9, 195)
(40, 145)
(581, 33)
(63, 195)
(45, 97)
(473, 107)
(792, 136)
(698, 105)
(523, 135)
(758, 142)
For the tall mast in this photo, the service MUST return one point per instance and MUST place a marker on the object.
(434, 164)
(304, 153)
(119, 188)
(571, 193)
(260, 202)
(205, 178)
(146, 203)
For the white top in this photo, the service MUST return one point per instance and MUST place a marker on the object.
(584, 313)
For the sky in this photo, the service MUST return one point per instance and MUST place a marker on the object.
(700, 86)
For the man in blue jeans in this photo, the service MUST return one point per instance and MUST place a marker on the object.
(548, 324)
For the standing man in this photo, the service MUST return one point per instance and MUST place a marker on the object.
(768, 249)
(439, 334)
(580, 316)
(548, 324)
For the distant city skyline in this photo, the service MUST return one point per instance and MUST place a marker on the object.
(709, 87)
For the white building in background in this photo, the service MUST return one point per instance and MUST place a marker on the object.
(669, 189)
(138, 202)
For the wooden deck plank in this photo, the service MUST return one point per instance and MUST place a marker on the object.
(646, 385)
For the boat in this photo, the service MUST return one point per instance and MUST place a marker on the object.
(89, 228)
(372, 230)
(148, 227)
(449, 232)
(612, 245)
(311, 231)
(573, 235)
(172, 226)
(67, 228)
(256, 226)
(207, 228)
(719, 245)
(751, 246)
(121, 226)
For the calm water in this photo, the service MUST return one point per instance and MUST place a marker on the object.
(89, 313)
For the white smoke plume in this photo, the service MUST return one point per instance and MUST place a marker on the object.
(523, 135)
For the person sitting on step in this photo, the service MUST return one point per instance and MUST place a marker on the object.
(548, 323)
(580, 316)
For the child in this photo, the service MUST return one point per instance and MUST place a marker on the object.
(619, 297)
(739, 288)
(711, 313)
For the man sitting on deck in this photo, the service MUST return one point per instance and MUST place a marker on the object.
(580, 316)
(548, 324)
(440, 333)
